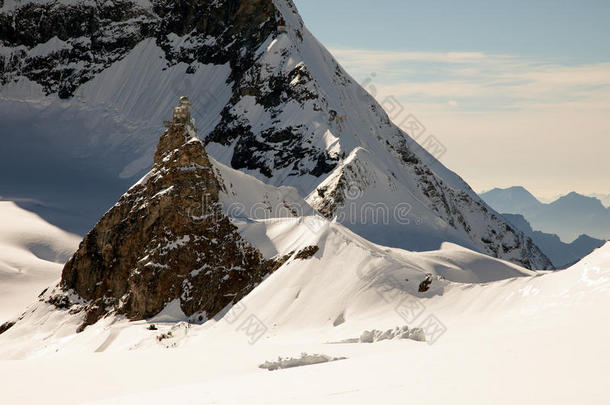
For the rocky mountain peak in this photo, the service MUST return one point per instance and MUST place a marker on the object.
(274, 104)
(166, 240)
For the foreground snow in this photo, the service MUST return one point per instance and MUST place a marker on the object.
(536, 339)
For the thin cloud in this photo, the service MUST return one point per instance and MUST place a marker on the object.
(367, 56)
(489, 80)
(504, 119)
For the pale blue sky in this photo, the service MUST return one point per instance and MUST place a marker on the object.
(518, 91)
(569, 31)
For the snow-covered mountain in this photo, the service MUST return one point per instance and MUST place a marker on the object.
(193, 237)
(511, 200)
(91, 86)
(169, 240)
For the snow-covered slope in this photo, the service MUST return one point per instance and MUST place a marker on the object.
(310, 292)
(349, 278)
(489, 333)
(32, 253)
(270, 102)
(246, 197)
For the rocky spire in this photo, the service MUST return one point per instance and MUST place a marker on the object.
(166, 239)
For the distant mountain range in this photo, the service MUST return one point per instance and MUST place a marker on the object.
(569, 216)
(604, 198)
(563, 255)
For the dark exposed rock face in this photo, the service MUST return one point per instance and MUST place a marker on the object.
(307, 252)
(6, 326)
(87, 37)
(167, 238)
(96, 34)
(288, 147)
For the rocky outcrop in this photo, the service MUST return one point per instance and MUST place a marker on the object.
(166, 239)
(61, 45)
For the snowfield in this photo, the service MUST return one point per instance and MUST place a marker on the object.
(526, 338)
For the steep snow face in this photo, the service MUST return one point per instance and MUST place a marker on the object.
(245, 197)
(270, 102)
(408, 206)
(32, 253)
